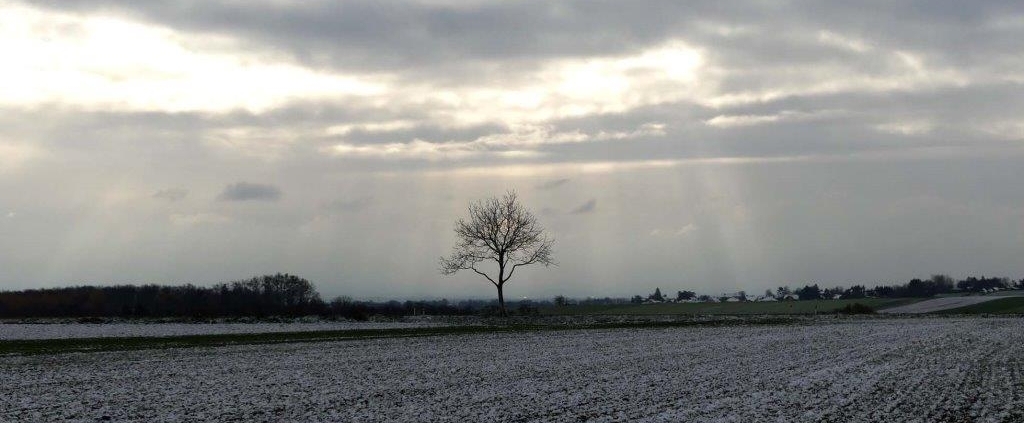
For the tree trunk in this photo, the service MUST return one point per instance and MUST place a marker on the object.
(501, 301)
(501, 283)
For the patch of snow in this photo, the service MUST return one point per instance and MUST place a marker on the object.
(849, 371)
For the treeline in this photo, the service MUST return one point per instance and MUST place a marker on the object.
(915, 288)
(264, 296)
(280, 294)
(362, 310)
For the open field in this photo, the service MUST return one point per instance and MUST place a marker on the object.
(17, 331)
(971, 304)
(719, 308)
(910, 370)
(1003, 305)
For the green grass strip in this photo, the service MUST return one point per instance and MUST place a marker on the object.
(809, 307)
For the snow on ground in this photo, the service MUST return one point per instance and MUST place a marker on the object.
(946, 303)
(13, 331)
(906, 370)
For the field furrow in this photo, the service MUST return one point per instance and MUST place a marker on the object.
(919, 370)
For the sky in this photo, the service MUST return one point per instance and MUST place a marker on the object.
(708, 146)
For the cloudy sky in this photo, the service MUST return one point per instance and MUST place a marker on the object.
(708, 146)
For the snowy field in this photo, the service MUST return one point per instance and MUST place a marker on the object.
(12, 331)
(947, 303)
(909, 370)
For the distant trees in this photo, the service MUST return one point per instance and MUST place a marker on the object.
(685, 295)
(973, 284)
(602, 301)
(934, 285)
(783, 292)
(809, 292)
(938, 284)
(279, 295)
(856, 291)
(882, 291)
(502, 231)
(290, 295)
(831, 293)
(943, 283)
(921, 288)
(362, 310)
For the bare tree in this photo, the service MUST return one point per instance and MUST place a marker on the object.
(502, 231)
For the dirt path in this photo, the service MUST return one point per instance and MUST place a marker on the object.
(939, 304)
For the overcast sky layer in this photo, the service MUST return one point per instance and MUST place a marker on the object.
(706, 146)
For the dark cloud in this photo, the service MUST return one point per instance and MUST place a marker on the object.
(384, 35)
(420, 131)
(587, 207)
(248, 191)
(171, 194)
(502, 37)
(763, 47)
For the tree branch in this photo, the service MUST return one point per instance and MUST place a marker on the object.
(502, 230)
(484, 275)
